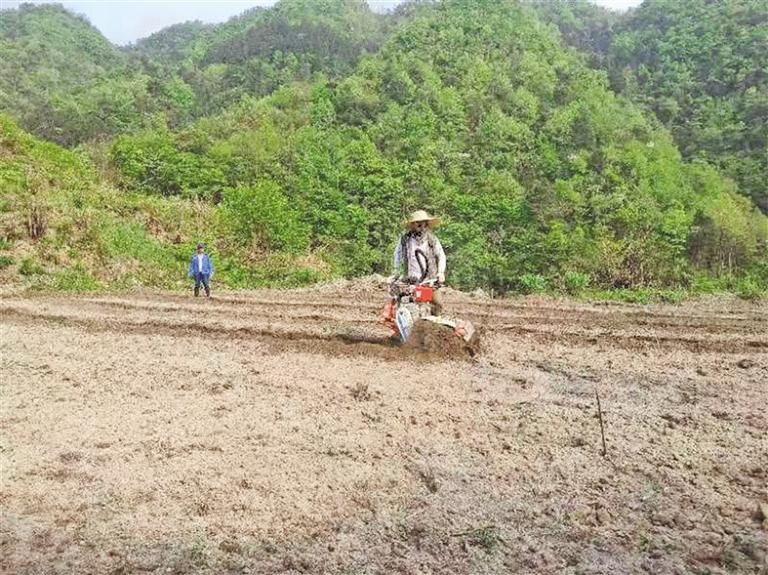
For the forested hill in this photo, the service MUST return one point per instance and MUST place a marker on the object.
(62, 80)
(700, 66)
(476, 110)
(60, 77)
(262, 49)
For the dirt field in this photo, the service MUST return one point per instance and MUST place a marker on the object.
(282, 432)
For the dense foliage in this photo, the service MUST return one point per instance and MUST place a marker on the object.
(62, 80)
(700, 66)
(61, 228)
(582, 24)
(475, 110)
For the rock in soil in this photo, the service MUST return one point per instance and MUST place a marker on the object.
(746, 363)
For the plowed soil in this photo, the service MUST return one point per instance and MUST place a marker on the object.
(285, 432)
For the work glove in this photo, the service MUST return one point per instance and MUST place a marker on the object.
(441, 278)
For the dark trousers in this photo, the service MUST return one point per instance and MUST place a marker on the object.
(202, 279)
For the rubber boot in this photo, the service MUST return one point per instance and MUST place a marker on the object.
(207, 292)
(197, 291)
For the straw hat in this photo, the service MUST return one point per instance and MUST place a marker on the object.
(421, 216)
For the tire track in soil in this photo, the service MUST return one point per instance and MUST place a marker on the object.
(522, 315)
(375, 301)
(340, 344)
(643, 342)
(309, 314)
(363, 314)
(341, 334)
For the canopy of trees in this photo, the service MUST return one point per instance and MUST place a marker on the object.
(310, 129)
(700, 67)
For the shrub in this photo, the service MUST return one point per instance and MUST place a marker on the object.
(673, 295)
(532, 283)
(575, 282)
(75, 279)
(37, 221)
(128, 240)
(153, 163)
(260, 217)
(635, 295)
(704, 284)
(749, 288)
(5, 261)
(29, 267)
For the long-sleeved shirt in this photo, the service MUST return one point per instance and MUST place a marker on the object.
(198, 265)
(406, 253)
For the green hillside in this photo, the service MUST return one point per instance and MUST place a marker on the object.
(61, 228)
(545, 178)
(480, 114)
(698, 66)
(62, 79)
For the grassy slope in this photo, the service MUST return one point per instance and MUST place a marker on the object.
(61, 228)
(94, 237)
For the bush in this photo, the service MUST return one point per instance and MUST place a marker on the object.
(119, 240)
(673, 295)
(37, 221)
(749, 288)
(260, 217)
(704, 284)
(152, 163)
(5, 261)
(273, 271)
(29, 267)
(532, 283)
(75, 279)
(575, 282)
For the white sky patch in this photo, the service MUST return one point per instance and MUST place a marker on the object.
(620, 5)
(125, 21)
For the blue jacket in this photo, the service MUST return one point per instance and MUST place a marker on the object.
(207, 267)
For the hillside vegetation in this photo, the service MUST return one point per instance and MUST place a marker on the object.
(700, 67)
(61, 228)
(319, 142)
(63, 81)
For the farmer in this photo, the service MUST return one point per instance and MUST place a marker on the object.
(201, 269)
(420, 253)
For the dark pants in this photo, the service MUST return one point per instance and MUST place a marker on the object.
(202, 279)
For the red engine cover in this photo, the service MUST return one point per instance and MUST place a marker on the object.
(423, 294)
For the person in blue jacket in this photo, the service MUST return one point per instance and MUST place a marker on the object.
(201, 270)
